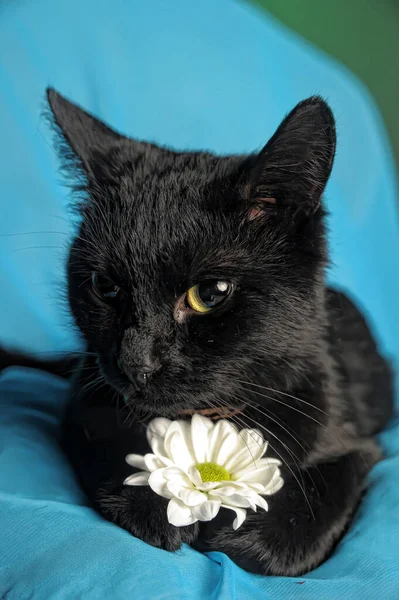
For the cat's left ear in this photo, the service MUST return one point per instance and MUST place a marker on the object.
(294, 166)
(89, 138)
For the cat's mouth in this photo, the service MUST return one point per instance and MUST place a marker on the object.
(157, 395)
(141, 405)
(182, 403)
(177, 396)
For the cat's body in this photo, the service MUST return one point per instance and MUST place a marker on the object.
(99, 432)
(297, 358)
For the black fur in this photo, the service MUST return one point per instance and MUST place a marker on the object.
(301, 357)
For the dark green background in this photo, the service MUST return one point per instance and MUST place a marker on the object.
(362, 34)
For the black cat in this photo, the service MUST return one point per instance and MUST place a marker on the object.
(264, 337)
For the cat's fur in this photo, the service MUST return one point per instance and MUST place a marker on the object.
(301, 357)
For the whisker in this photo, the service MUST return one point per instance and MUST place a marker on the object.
(91, 385)
(283, 394)
(213, 405)
(60, 218)
(269, 415)
(298, 463)
(298, 411)
(337, 439)
(38, 248)
(292, 455)
(34, 233)
(65, 354)
(79, 369)
(287, 429)
(92, 382)
(286, 464)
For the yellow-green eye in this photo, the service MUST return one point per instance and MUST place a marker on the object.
(208, 295)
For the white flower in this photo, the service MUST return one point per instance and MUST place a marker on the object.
(202, 466)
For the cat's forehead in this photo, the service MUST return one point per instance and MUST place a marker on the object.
(174, 192)
(165, 216)
(166, 172)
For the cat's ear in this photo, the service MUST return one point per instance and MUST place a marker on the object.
(294, 166)
(88, 137)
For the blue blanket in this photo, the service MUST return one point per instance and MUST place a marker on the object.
(217, 75)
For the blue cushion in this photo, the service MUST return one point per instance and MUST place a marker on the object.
(217, 75)
(53, 546)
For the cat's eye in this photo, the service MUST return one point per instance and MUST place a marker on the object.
(104, 288)
(207, 296)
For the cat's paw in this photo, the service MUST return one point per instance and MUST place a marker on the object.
(141, 512)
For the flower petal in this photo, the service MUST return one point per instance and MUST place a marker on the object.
(247, 456)
(227, 448)
(205, 486)
(194, 475)
(240, 518)
(158, 448)
(235, 500)
(157, 429)
(241, 515)
(234, 462)
(274, 486)
(152, 462)
(178, 475)
(250, 449)
(252, 504)
(207, 510)
(178, 444)
(136, 460)
(180, 453)
(179, 514)
(269, 477)
(200, 428)
(225, 490)
(140, 478)
(259, 501)
(245, 498)
(192, 497)
(256, 487)
(262, 475)
(222, 440)
(177, 481)
(251, 435)
(157, 482)
(174, 488)
(268, 460)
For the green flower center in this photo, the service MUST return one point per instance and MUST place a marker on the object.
(212, 472)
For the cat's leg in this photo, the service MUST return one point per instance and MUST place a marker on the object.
(143, 514)
(97, 440)
(301, 527)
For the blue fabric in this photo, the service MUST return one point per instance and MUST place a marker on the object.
(209, 74)
(53, 547)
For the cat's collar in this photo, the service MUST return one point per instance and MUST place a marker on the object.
(220, 412)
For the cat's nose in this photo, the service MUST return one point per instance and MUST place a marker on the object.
(144, 372)
(141, 373)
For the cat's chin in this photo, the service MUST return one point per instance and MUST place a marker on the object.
(145, 405)
(144, 409)
(159, 398)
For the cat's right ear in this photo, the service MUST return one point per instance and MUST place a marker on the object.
(293, 168)
(88, 137)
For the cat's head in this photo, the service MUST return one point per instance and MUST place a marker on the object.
(194, 274)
